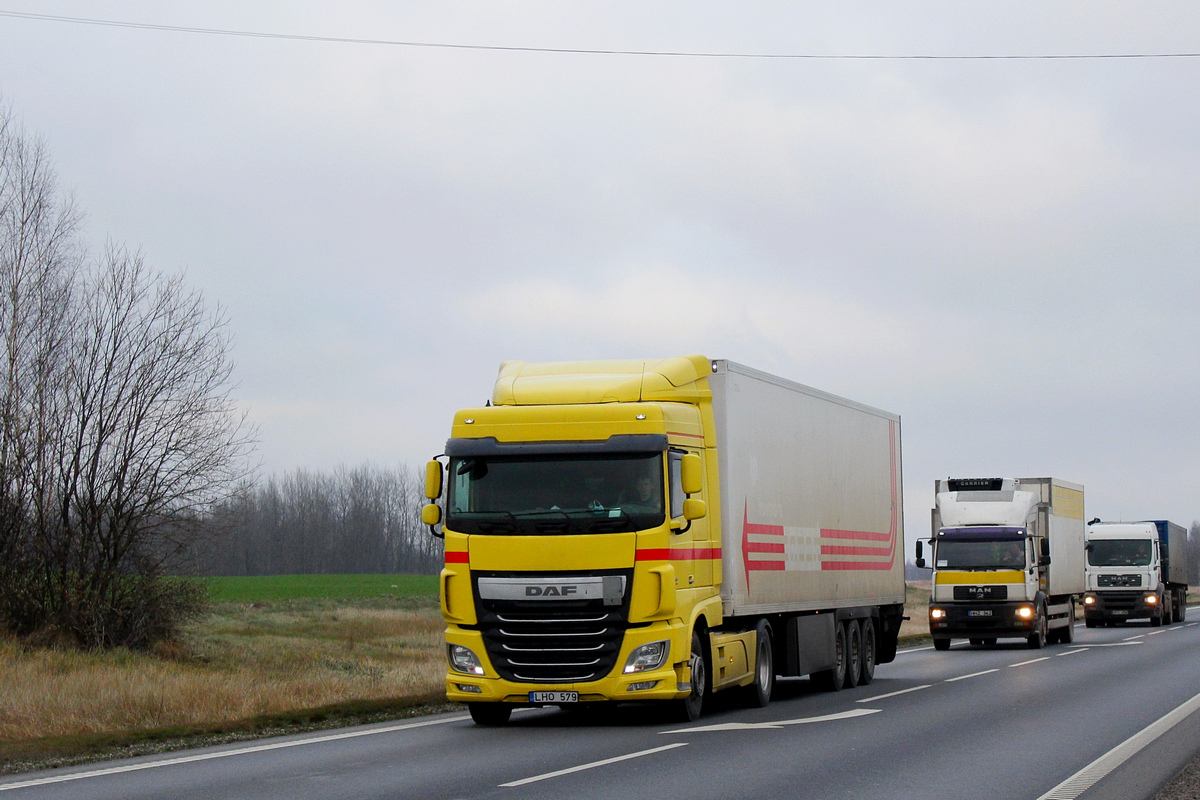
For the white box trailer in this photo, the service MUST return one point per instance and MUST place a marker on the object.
(810, 497)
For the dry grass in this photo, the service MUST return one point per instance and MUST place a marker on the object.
(243, 661)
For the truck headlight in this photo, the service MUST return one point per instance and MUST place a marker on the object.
(1151, 599)
(463, 659)
(937, 613)
(1025, 612)
(647, 657)
(1089, 601)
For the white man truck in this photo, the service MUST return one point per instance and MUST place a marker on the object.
(1007, 560)
(660, 530)
(1135, 570)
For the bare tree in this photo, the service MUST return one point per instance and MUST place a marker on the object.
(118, 434)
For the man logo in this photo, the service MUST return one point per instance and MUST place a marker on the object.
(551, 591)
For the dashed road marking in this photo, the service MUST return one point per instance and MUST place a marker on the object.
(972, 675)
(1072, 652)
(1030, 661)
(592, 765)
(1131, 638)
(762, 726)
(893, 694)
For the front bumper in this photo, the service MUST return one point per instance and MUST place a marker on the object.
(670, 681)
(1118, 605)
(982, 620)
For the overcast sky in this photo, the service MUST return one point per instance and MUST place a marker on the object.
(1003, 252)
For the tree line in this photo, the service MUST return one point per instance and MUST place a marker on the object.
(365, 519)
(118, 434)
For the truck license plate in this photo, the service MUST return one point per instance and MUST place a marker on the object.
(981, 612)
(1121, 611)
(554, 697)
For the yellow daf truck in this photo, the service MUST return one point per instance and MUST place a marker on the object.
(659, 530)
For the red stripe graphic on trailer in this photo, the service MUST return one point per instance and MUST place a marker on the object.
(757, 529)
(858, 543)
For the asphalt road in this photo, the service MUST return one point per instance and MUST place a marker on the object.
(1113, 716)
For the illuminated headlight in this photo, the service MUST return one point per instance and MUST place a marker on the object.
(1151, 599)
(463, 659)
(647, 657)
(937, 613)
(1025, 612)
(1089, 601)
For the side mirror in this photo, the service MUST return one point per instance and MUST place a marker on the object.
(920, 562)
(1045, 557)
(433, 483)
(920, 552)
(691, 475)
(694, 509)
(431, 514)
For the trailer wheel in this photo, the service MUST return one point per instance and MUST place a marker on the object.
(1183, 605)
(941, 644)
(691, 706)
(832, 680)
(758, 694)
(490, 714)
(867, 660)
(853, 653)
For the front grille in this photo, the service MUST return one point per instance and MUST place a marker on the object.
(1118, 580)
(995, 592)
(553, 641)
(1117, 601)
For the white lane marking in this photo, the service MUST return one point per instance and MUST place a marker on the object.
(1107, 644)
(972, 675)
(763, 726)
(1072, 652)
(1087, 777)
(930, 647)
(1030, 661)
(592, 765)
(893, 694)
(1190, 624)
(260, 748)
(1131, 638)
(1155, 633)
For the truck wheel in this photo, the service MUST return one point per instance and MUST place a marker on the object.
(1183, 606)
(691, 706)
(867, 659)
(758, 694)
(1091, 623)
(832, 680)
(941, 644)
(490, 714)
(853, 653)
(1068, 633)
(1037, 639)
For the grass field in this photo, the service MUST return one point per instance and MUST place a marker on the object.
(273, 653)
(266, 588)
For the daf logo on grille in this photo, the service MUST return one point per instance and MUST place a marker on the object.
(551, 591)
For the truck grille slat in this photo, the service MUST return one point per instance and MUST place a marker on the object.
(553, 640)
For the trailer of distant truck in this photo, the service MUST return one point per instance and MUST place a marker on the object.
(661, 530)
(1007, 559)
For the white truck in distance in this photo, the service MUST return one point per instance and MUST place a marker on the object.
(1135, 570)
(1007, 560)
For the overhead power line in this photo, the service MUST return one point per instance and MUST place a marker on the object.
(146, 26)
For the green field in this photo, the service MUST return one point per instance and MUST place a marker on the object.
(266, 588)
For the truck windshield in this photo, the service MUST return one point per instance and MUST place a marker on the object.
(556, 494)
(1119, 552)
(981, 554)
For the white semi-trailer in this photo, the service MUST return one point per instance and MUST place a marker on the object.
(1135, 570)
(1007, 560)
